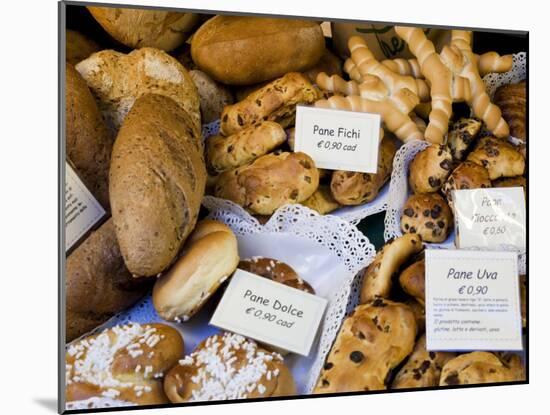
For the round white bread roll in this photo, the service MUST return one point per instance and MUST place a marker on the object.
(210, 257)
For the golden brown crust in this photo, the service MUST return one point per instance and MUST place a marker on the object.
(275, 101)
(89, 143)
(157, 180)
(500, 158)
(277, 271)
(518, 181)
(423, 368)
(427, 215)
(412, 280)
(468, 175)
(97, 283)
(243, 370)
(138, 28)
(373, 340)
(322, 201)
(269, 182)
(226, 153)
(210, 257)
(377, 279)
(419, 313)
(461, 135)
(78, 47)
(482, 367)
(512, 100)
(355, 188)
(134, 359)
(430, 168)
(244, 50)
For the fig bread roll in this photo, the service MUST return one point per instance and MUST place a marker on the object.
(322, 200)
(245, 50)
(126, 363)
(97, 283)
(88, 141)
(275, 101)
(269, 182)
(157, 181)
(373, 340)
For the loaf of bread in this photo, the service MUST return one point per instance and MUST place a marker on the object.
(269, 182)
(97, 283)
(373, 340)
(228, 366)
(137, 28)
(213, 96)
(512, 101)
(244, 50)
(210, 257)
(226, 153)
(78, 47)
(157, 180)
(126, 363)
(275, 101)
(117, 80)
(88, 142)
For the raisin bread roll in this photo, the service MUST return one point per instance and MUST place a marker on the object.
(226, 153)
(322, 200)
(269, 182)
(512, 100)
(157, 181)
(482, 367)
(88, 142)
(228, 366)
(461, 135)
(277, 271)
(427, 215)
(274, 102)
(499, 157)
(373, 340)
(412, 280)
(423, 368)
(467, 175)
(355, 188)
(430, 168)
(97, 283)
(124, 362)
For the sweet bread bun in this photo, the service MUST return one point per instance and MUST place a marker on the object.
(125, 363)
(413, 280)
(228, 366)
(322, 201)
(467, 175)
(512, 100)
(461, 135)
(430, 168)
(277, 271)
(427, 215)
(209, 257)
(499, 157)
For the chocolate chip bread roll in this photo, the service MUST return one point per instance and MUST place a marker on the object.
(499, 157)
(269, 182)
(373, 340)
(274, 102)
(430, 168)
(413, 279)
(468, 175)
(461, 135)
(429, 216)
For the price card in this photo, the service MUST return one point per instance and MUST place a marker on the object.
(337, 139)
(490, 218)
(472, 300)
(82, 210)
(270, 312)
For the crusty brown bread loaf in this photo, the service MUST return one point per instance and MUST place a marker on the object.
(373, 340)
(125, 362)
(157, 179)
(88, 141)
(137, 28)
(78, 47)
(244, 50)
(97, 283)
(512, 100)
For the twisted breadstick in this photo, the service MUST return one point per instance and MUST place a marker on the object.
(479, 100)
(406, 67)
(371, 88)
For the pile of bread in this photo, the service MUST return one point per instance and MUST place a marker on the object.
(133, 135)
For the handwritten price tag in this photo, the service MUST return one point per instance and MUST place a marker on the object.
(337, 139)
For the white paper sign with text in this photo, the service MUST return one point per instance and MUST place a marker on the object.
(270, 312)
(337, 139)
(472, 300)
(490, 218)
(82, 210)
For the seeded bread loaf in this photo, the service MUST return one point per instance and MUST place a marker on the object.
(88, 141)
(157, 180)
(244, 50)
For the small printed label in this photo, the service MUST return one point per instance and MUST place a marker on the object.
(472, 300)
(82, 210)
(270, 312)
(337, 139)
(490, 218)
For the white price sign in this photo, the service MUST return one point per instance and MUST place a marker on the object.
(337, 139)
(270, 312)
